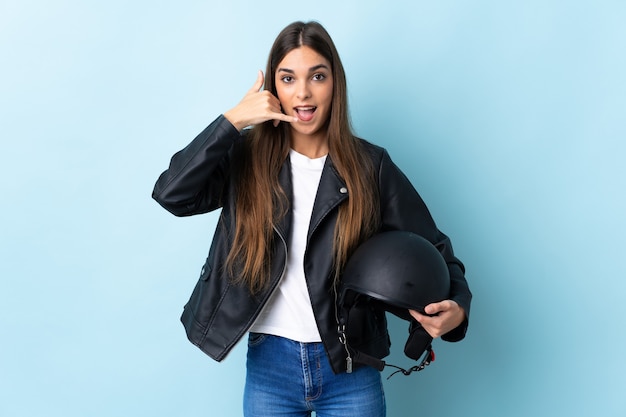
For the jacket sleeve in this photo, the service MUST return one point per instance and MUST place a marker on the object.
(198, 174)
(402, 208)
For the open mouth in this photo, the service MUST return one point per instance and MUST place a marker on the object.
(305, 113)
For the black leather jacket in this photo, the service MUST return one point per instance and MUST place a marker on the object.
(220, 313)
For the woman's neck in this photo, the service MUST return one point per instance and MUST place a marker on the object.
(313, 146)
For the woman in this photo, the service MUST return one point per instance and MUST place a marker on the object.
(298, 192)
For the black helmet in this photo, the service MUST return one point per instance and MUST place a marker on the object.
(398, 271)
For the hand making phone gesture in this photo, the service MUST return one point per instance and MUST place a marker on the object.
(256, 107)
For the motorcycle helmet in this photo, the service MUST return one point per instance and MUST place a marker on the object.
(397, 271)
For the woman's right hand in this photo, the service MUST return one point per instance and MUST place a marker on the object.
(257, 107)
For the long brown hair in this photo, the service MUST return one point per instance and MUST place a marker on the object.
(268, 147)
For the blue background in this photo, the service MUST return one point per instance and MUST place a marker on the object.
(508, 117)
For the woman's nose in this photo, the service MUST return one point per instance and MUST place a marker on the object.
(303, 91)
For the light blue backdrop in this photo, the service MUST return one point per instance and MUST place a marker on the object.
(508, 116)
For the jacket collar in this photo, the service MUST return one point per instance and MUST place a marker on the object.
(330, 193)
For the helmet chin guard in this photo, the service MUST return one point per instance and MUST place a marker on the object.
(395, 271)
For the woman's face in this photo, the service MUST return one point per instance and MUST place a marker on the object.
(304, 85)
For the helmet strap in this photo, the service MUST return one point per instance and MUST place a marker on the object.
(428, 358)
(364, 359)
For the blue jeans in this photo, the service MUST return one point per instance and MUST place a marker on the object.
(292, 379)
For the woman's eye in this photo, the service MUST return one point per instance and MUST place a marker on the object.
(287, 79)
(319, 77)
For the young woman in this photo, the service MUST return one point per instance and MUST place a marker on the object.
(298, 193)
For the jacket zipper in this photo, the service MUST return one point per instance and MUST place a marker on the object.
(343, 339)
(341, 327)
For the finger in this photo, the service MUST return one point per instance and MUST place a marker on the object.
(258, 83)
(281, 117)
(416, 315)
(435, 308)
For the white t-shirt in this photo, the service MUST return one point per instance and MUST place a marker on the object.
(288, 312)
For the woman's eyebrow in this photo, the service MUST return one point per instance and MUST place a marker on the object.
(312, 69)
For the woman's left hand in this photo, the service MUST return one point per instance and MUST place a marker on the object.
(442, 317)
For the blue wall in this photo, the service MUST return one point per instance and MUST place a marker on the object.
(509, 118)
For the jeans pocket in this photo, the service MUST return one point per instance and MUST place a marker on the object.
(255, 339)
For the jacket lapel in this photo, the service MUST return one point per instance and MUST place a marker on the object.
(330, 193)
